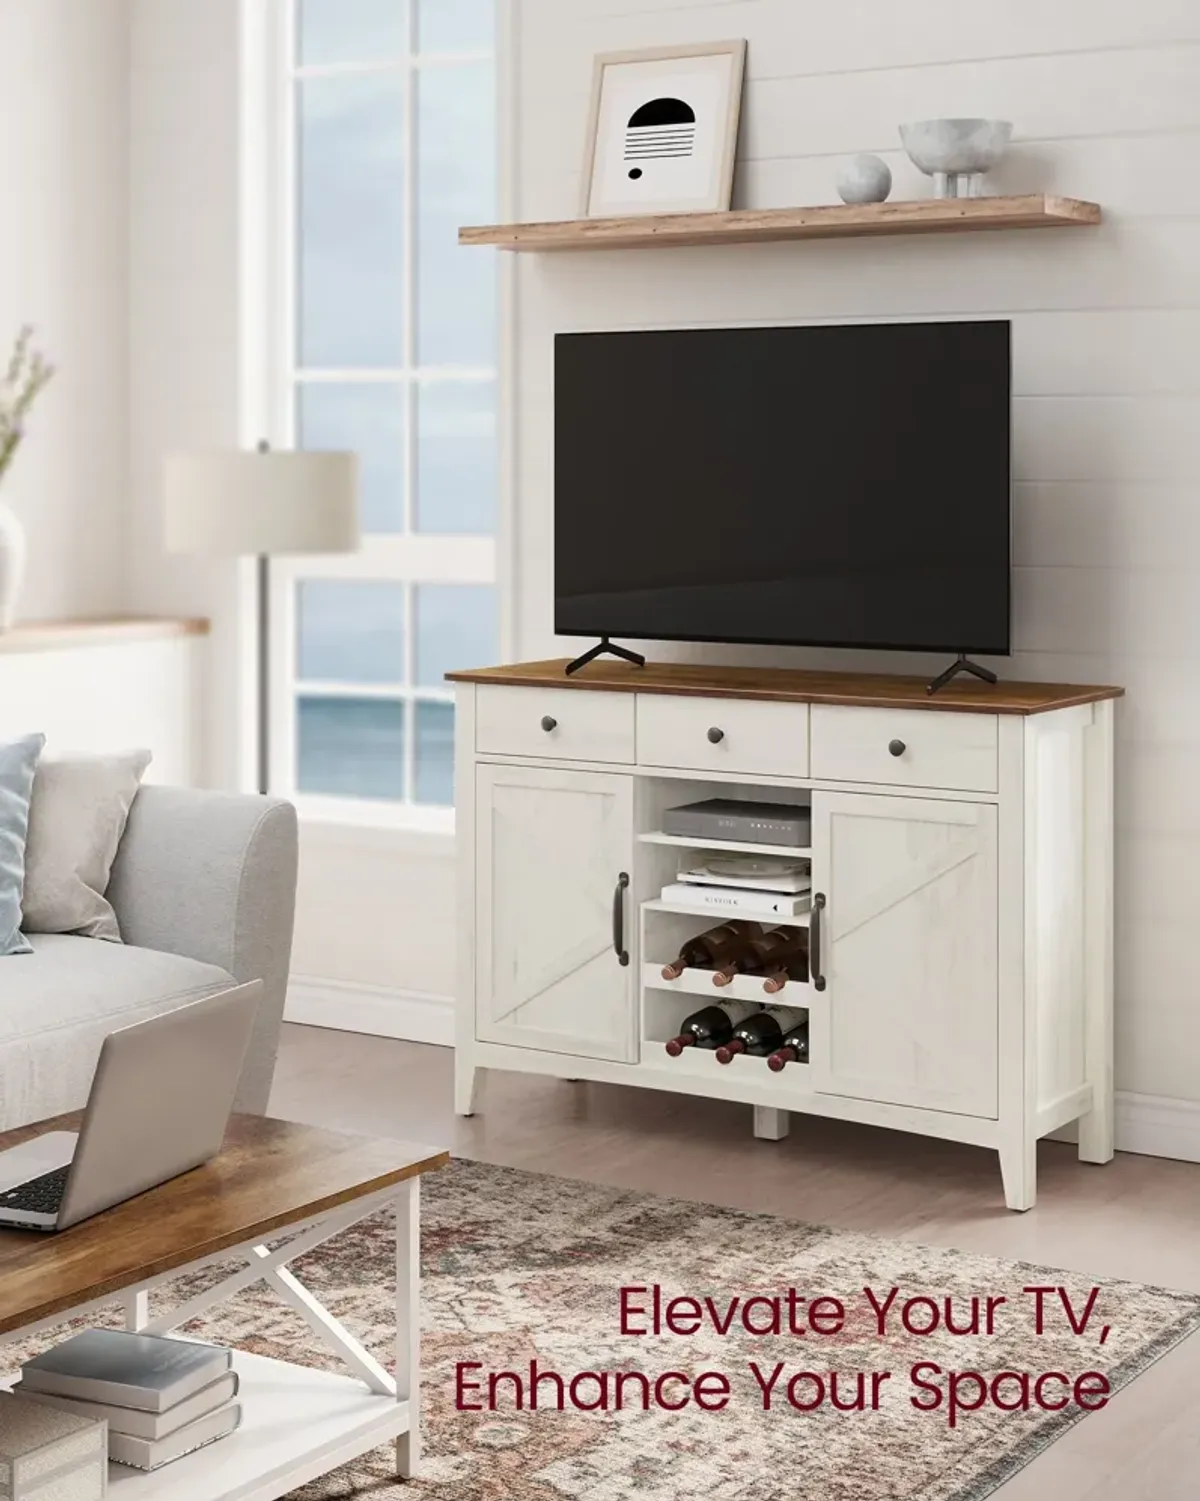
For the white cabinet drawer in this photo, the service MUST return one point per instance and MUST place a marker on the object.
(905, 748)
(723, 734)
(569, 724)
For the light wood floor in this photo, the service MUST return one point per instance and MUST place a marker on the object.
(1138, 1218)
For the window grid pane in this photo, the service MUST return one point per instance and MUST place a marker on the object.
(434, 739)
(349, 747)
(350, 31)
(353, 162)
(369, 336)
(351, 631)
(370, 419)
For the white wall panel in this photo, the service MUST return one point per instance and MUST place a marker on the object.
(64, 268)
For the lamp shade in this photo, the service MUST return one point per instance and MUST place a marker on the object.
(262, 503)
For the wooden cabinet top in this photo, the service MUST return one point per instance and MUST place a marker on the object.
(790, 685)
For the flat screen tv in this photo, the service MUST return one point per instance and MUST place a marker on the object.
(817, 486)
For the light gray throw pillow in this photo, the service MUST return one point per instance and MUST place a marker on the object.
(18, 759)
(76, 818)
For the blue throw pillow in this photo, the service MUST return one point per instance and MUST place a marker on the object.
(18, 761)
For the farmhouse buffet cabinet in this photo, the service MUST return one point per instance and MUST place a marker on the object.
(962, 854)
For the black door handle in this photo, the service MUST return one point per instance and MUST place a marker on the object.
(549, 724)
(897, 747)
(814, 942)
(619, 919)
(716, 735)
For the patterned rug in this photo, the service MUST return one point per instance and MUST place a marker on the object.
(519, 1267)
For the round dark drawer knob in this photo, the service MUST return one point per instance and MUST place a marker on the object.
(716, 735)
(897, 747)
(549, 724)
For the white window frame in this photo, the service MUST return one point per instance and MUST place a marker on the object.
(272, 375)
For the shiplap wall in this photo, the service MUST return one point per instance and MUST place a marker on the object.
(1105, 96)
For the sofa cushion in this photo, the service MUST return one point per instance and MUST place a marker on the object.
(76, 818)
(17, 761)
(62, 1000)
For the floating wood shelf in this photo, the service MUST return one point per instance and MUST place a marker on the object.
(822, 222)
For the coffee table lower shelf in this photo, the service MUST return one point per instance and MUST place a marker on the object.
(275, 1193)
(296, 1424)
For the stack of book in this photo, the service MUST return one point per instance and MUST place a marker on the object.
(161, 1398)
(49, 1456)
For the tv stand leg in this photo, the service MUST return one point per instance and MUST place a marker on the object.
(770, 1124)
(963, 664)
(605, 648)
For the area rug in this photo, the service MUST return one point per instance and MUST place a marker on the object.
(520, 1268)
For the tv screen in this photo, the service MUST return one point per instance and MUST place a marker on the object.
(821, 486)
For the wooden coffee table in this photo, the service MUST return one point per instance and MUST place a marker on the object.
(273, 1179)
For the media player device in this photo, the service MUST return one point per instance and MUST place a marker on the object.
(746, 823)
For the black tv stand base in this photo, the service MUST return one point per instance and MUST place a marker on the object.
(963, 664)
(606, 648)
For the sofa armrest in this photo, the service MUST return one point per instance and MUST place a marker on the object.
(212, 876)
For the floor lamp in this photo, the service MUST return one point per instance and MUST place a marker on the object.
(261, 503)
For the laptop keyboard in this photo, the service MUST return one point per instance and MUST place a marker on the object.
(40, 1195)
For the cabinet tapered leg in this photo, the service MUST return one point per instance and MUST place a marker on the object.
(466, 1084)
(1096, 1131)
(1018, 1166)
(769, 1124)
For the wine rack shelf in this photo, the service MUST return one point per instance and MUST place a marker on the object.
(698, 1063)
(742, 987)
(726, 846)
(723, 914)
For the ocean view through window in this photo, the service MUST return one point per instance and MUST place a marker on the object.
(387, 336)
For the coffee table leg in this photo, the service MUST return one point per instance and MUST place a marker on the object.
(408, 1324)
(137, 1309)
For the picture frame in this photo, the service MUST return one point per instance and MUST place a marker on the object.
(662, 130)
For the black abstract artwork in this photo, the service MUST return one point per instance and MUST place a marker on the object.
(659, 130)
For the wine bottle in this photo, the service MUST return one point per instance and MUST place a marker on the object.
(713, 947)
(763, 955)
(759, 1035)
(795, 968)
(793, 1049)
(711, 1027)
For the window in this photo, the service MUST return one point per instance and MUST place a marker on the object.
(385, 341)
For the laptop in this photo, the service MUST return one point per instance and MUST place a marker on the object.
(159, 1105)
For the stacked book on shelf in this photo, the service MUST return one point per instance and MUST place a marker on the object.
(49, 1456)
(160, 1398)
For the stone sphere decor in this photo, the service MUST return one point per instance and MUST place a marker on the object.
(956, 153)
(864, 179)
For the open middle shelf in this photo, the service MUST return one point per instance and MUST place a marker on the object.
(716, 914)
(723, 846)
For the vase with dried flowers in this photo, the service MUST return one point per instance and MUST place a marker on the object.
(26, 376)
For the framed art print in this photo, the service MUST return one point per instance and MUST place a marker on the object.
(662, 137)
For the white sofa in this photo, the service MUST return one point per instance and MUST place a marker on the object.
(204, 890)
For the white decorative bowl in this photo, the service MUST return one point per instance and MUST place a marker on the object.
(956, 153)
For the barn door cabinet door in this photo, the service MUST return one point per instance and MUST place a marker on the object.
(554, 852)
(908, 945)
